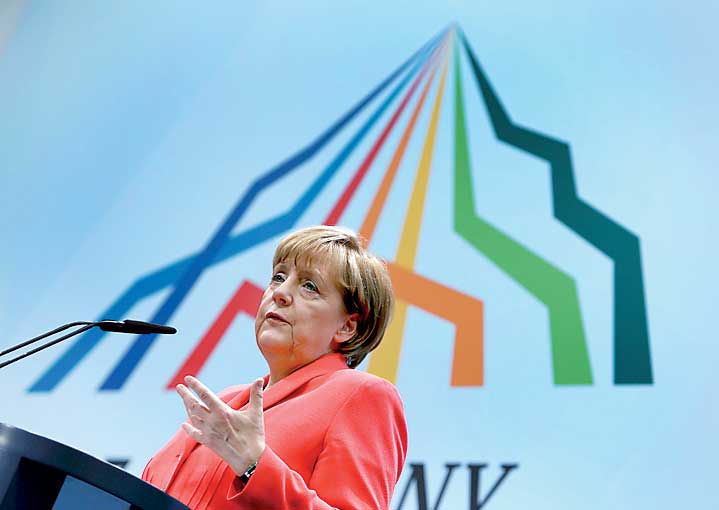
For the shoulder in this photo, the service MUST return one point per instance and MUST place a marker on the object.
(364, 379)
(370, 408)
(356, 384)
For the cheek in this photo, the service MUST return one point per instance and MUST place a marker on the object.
(262, 309)
(317, 329)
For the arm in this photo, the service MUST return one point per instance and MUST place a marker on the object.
(360, 463)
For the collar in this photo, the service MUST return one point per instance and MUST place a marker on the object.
(323, 365)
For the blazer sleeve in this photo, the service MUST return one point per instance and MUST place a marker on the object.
(361, 460)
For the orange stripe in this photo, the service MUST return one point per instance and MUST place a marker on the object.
(385, 359)
(464, 311)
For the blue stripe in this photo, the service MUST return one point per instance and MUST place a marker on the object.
(267, 230)
(162, 278)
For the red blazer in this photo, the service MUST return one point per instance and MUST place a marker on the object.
(336, 438)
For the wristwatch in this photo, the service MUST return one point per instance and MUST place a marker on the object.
(245, 477)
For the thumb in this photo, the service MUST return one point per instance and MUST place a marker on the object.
(256, 396)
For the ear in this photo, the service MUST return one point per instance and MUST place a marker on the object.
(347, 330)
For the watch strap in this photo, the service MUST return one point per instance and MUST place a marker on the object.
(245, 477)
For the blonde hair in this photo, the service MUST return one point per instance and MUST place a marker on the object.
(361, 278)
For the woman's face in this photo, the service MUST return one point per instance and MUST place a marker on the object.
(301, 316)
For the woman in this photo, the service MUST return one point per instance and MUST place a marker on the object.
(313, 433)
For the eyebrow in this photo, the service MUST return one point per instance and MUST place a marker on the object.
(304, 271)
(312, 273)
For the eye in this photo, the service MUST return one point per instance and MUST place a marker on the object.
(278, 277)
(310, 285)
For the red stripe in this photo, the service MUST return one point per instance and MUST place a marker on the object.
(248, 296)
(349, 192)
(246, 299)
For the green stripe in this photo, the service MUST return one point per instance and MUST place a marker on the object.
(548, 284)
(632, 359)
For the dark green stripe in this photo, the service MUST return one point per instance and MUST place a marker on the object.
(632, 360)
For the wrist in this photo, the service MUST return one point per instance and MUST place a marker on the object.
(245, 477)
(245, 462)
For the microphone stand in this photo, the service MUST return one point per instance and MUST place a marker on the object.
(126, 326)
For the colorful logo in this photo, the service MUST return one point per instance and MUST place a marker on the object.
(550, 285)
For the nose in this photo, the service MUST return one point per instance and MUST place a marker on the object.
(282, 294)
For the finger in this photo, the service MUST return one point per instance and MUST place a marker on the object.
(194, 433)
(211, 401)
(256, 394)
(198, 420)
(192, 405)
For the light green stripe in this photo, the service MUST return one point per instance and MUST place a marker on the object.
(548, 284)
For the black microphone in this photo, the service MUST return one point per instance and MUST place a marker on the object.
(126, 326)
(136, 327)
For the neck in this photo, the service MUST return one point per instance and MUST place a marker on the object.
(279, 371)
(281, 368)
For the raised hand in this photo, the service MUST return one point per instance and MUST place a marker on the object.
(238, 437)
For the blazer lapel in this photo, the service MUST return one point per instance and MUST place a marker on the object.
(287, 386)
(242, 397)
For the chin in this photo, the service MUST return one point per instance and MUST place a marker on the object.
(273, 344)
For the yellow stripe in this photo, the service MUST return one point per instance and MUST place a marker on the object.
(385, 359)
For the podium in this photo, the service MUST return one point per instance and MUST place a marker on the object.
(37, 473)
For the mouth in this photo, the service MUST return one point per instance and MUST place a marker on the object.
(275, 317)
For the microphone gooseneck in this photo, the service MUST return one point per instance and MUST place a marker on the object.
(126, 326)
